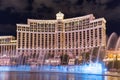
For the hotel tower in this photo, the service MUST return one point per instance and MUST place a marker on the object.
(72, 35)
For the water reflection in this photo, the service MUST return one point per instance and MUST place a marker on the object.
(3, 76)
(51, 76)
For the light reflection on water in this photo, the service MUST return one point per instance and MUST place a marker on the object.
(51, 76)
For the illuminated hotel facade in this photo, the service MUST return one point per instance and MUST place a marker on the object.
(73, 35)
(7, 46)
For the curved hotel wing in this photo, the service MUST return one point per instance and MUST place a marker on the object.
(73, 35)
(7, 46)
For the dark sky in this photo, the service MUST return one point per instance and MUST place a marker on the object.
(18, 11)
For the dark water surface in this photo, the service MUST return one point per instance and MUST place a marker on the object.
(51, 76)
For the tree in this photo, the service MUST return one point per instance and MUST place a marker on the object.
(47, 56)
(64, 59)
(85, 56)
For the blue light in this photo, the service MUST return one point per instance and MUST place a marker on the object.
(92, 68)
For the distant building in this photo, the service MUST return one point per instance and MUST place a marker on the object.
(7, 46)
(72, 35)
(112, 55)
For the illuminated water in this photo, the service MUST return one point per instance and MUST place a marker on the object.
(52, 76)
(92, 68)
(92, 71)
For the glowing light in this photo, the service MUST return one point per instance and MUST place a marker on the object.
(93, 68)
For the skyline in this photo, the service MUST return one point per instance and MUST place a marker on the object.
(15, 11)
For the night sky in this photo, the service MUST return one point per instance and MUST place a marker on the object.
(18, 11)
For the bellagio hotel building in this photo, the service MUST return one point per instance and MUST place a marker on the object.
(72, 35)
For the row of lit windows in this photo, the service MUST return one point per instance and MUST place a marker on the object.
(7, 48)
(41, 25)
(77, 25)
(34, 41)
(6, 40)
(84, 38)
(56, 52)
(37, 30)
